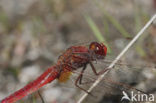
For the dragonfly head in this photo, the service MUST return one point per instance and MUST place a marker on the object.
(99, 50)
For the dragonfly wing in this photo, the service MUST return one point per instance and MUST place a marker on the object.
(119, 79)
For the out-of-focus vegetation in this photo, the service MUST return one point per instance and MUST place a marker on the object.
(34, 33)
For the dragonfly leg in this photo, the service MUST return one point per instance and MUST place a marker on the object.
(94, 70)
(41, 96)
(78, 80)
(81, 74)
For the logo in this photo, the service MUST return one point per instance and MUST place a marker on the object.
(138, 97)
(125, 96)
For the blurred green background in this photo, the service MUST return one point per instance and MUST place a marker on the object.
(33, 33)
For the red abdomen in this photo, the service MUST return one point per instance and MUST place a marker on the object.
(49, 75)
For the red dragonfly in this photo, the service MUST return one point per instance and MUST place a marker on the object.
(72, 59)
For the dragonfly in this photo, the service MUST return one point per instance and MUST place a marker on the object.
(72, 59)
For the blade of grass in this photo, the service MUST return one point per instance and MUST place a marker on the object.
(4, 19)
(140, 50)
(33, 99)
(138, 24)
(97, 32)
(139, 17)
(106, 27)
(115, 23)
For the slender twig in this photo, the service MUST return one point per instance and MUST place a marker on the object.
(118, 57)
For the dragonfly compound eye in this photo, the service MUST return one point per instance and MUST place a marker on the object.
(99, 49)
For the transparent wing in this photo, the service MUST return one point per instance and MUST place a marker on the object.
(124, 78)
